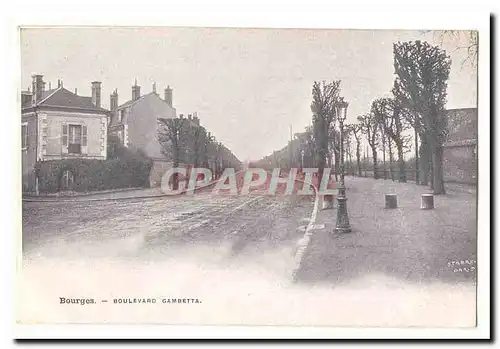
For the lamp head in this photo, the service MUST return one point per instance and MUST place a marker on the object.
(341, 107)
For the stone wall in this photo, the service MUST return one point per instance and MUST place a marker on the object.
(460, 164)
(460, 149)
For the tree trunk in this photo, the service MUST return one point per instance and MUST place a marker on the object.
(175, 178)
(390, 159)
(383, 155)
(437, 173)
(424, 161)
(431, 170)
(416, 157)
(401, 162)
(375, 169)
(358, 158)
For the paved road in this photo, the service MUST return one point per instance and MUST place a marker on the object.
(148, 229)
(234, 253)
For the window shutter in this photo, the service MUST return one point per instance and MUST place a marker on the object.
(65, 135)
(84, 135)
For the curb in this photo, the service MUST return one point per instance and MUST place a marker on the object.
(121, 190)
(304, 243)
(142, 197)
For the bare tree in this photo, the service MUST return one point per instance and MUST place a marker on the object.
(466, 40)
(391, 117)
(325, 97)
(198, 135)
(370, 127)
(172, 136)
(355, 131)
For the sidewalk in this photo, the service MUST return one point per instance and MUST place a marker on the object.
(98, 195)
(116, 194)
(407, 243)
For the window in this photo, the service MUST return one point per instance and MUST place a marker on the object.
(24, 135)
(74, 137)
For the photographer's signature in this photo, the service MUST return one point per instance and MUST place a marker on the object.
(462, 266)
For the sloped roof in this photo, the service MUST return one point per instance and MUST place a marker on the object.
(130, 102)
(45, 94)
(61, 97)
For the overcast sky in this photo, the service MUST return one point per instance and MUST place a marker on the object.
(247, 85)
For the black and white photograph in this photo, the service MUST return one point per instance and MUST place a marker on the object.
(239, 176)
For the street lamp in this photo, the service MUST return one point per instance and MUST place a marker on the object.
(342, 225)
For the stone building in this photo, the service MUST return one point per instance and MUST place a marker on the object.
(59, 124)
(135, 121)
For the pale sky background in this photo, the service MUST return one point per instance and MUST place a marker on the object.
(247, 85)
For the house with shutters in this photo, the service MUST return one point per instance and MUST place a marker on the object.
(59, 124)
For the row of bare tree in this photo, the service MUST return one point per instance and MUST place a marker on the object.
(414, 112)
(418, 102)
(186, 142)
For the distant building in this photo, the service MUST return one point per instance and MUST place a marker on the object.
(135, 124)
(135, 121)
(460, 148)
(59, 124)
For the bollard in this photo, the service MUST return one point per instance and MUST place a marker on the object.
(427, 202)
(391, 201)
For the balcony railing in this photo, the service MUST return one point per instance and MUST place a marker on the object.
(74, 148)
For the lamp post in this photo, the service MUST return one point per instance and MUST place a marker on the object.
(342, 225)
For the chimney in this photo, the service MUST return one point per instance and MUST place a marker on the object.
(136, 91)
(154, 87)
(59, 83)
(190, 117)
(96, 93)
(76, 91)
(26, 97)
(181, 116)
(50, 86)
(168, 95)
(37, 87)
(113, 100)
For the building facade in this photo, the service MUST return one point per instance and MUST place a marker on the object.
(460, 148)
(135, 121)
(135, 124)
(58, 124)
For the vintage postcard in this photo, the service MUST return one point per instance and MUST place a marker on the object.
(249, 176)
